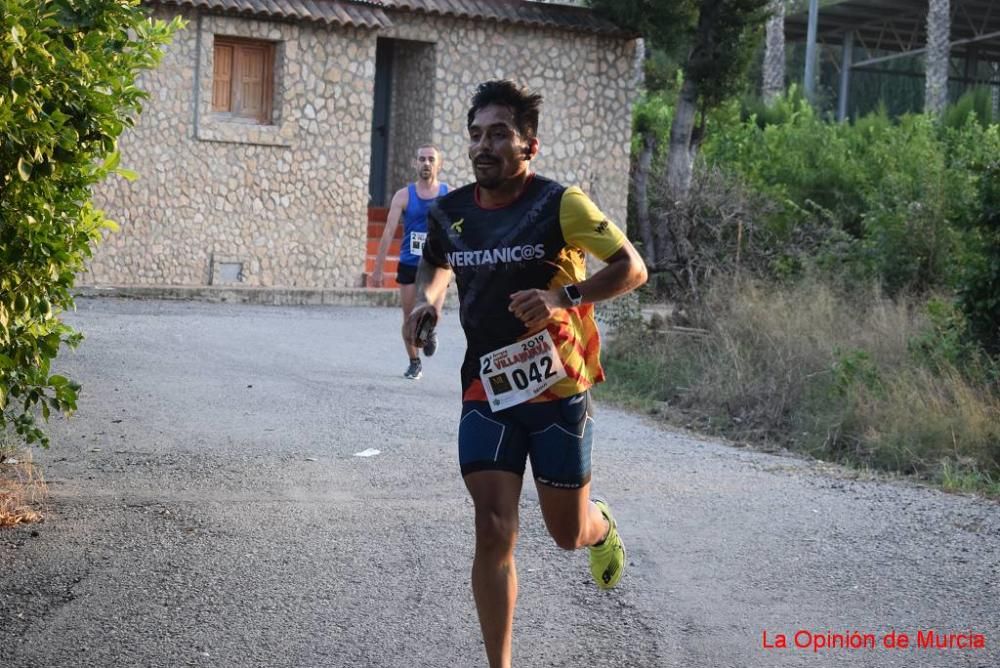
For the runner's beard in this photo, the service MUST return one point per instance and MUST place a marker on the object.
(489, 183)
(490, 180)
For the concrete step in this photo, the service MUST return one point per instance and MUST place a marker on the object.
(393, 247)
(376, 225)
(388, 271)
(375, 231)
(388, 267)
(388, 280)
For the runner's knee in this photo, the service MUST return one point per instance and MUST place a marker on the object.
(495, 532)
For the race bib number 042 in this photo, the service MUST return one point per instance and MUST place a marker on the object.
(520, 371)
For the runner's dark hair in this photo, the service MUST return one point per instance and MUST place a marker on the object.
(521, 101)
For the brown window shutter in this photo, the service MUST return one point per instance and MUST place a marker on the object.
(243, 78)
(222, 78)
(250, 62)
(267, 85)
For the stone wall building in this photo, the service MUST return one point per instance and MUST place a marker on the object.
(273, 125)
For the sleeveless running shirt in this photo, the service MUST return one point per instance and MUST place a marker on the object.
(537, 241)
(415, 224)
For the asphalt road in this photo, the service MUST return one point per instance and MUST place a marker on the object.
(208, 508)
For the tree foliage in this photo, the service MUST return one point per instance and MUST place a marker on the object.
(727, 34)
(882, 200)
(711, 41)
(979, 285)
(67, 91)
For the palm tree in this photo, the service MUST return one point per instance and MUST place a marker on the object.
(774, 53)
(938, 55)
(996, 91)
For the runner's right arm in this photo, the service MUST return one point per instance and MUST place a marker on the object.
(396, 208)
(433, 276)
(432, 283)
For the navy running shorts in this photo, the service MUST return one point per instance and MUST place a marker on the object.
(406, 274)
(557, 435)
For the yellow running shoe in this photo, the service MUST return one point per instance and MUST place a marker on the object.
(607, 560)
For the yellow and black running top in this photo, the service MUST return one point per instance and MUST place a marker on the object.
(538, 241)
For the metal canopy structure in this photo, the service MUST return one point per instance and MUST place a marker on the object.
(873, 32)
(900, 26)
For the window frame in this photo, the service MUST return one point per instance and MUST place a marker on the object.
(265, 116)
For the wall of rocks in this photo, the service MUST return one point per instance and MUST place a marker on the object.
(286, 203)
(587, 82)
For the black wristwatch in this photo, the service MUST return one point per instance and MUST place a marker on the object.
(573, 295)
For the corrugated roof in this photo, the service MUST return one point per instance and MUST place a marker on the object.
(519, 12)
(328, 12)
(372, 13)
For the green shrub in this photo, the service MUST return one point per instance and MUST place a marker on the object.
(853, 368)
(781, 111)
(652, 113)
(913, 206)
(802, 162)
(876, 199)
(979, 284)
(945, 343)
(67, 91)
(977, 103)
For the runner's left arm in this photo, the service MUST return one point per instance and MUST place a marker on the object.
(586, 227)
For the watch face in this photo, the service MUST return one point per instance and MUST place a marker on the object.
(574, 294)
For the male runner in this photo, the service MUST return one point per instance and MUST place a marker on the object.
(411, 204)
(515, 242)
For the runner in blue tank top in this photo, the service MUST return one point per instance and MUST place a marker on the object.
(415, 225)
(411, 204)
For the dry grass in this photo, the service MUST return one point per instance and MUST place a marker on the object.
(806, 368)
(938, 424)
(22, 487)
(775, 349)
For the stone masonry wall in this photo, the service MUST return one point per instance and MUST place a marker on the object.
(412, 121)
(587, 83)
(287, 200)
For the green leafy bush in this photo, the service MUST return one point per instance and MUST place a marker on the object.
(67, 91)
(914, 205)
(852, 368)
(979, 284)
(652, 113)
(883, 200)
(977, 102)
